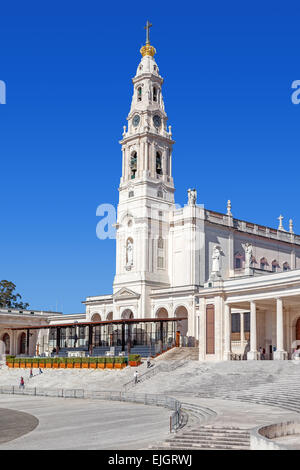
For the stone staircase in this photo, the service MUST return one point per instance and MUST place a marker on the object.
(282, 394)
(196, 414)
(180, 353)
(208, 438)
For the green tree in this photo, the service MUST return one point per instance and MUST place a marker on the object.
(8, 297)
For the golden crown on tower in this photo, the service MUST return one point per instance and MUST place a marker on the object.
(148, 49)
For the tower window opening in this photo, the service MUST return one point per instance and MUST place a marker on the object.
(158, 164)
(139, 93)
(160, 243)
(154, 94)
(133, 165)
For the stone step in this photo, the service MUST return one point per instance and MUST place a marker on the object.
(208, 429)
(268, 403)
(199, 408)
(200, 448)
(220, 441)
(220, 428)
(217, 432)
(211, 436)
(208, 447)
(190, 435)
(269, 400)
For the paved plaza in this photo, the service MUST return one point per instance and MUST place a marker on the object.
(84, 424)
(238, 394)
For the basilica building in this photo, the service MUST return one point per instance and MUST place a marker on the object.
(187, 276)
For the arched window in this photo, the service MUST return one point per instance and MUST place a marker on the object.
(158, 164)
(154, 94)
(238, 261)
(133, 165)
(160, 243)
(139, 93)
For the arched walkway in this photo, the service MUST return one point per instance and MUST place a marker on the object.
(22, 343)
(96, 317)
(6, 341)
(182, 325)
(162, 313)
(127, 314)
(109, 316)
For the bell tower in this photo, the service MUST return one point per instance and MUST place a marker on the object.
(146, 191)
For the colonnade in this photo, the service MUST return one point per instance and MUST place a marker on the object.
(253, 354)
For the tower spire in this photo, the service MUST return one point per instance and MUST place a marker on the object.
(147, 27)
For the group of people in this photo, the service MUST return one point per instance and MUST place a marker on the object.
(262, 353)
(22, 382)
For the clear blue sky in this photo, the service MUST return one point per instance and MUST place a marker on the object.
(228, 69)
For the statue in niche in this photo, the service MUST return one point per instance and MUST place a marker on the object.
(216, 259)
(248, 255)
(192, 197)
(129, 253)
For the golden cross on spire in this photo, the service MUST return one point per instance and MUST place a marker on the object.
(147, 27)
(147, 49)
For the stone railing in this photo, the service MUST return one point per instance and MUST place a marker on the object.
(249, 227)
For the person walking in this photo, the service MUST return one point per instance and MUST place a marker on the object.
(148, 362)
(40, 370)
(31, 374)
(22, 384)
(135, 375)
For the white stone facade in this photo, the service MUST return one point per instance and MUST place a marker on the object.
(182, 257)
(192, 262)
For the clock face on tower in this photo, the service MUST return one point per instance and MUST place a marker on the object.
(157, 120)
(136, 120)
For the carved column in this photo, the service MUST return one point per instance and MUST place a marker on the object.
(227, 333)
(280, 353)
(253, 353)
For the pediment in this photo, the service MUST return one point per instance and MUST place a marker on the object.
(125, 293)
